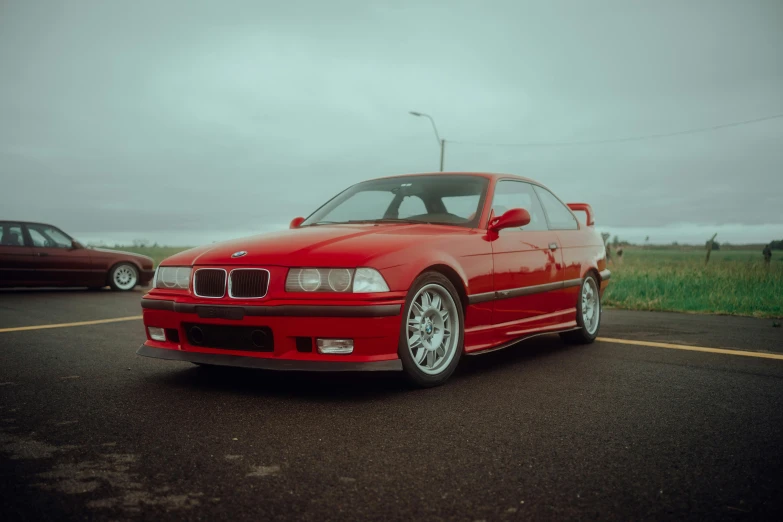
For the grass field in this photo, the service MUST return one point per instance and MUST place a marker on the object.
(735, 282)
(155, 252)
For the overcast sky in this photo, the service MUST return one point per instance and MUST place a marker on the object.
(166, 117)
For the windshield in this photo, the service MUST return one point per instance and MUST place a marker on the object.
(441, 199)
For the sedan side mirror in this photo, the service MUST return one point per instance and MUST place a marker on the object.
(296, 222)
(75, 245)
(513, 218)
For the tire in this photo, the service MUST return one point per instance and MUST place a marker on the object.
(590, 323)
(123, 277)
(431, 348)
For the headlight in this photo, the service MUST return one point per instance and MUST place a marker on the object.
(172, 277)
(339, 280)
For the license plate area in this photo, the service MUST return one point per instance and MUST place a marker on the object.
(220, 312)
(226, 337)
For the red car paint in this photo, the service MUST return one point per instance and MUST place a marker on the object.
(481, 262)
(25, 264)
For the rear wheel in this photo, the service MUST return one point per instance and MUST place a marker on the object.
(588, 313)
(432, 333)
(123, 277)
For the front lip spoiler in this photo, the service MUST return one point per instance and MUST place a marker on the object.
(370, 310)
(258, 363)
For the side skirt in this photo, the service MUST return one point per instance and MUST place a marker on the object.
(519, 340)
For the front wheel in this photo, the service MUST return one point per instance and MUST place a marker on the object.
(432, 333)
(123, 277)
(588, 313)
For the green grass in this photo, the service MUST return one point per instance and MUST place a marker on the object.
(735, 282)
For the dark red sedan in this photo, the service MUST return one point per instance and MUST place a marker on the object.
(405, 273)
(37, 254)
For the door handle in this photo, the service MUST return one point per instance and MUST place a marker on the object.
(552, 246)
(42, 254)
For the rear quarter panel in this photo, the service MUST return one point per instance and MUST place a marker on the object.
(583, 250)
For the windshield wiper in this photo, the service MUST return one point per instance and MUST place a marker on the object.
(326, 223)
(363, 221)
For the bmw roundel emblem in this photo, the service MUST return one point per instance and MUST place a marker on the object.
(239, 254)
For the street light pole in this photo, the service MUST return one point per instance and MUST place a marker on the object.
(441, 142)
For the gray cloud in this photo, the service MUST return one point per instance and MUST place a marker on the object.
(181, 115)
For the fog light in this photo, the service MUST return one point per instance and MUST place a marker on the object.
(334, 346)
(156, 334)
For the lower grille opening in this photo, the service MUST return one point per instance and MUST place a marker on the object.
(172, 335)
(304, 344)
(243, 338)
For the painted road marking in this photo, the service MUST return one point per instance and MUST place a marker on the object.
(652, 344)
(68, 325)
(693, 348)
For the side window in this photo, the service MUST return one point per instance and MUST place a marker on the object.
(411, 206)
(11, 234)
(50, 237)
(518, 194)
(560, 218)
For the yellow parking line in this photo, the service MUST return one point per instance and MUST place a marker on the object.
(68, 325)
(693, 348)
(725, 351)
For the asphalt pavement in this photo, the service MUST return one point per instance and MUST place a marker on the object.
(539, 431)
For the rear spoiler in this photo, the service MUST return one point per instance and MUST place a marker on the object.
(587, 209)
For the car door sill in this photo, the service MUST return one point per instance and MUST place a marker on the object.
(519, 340)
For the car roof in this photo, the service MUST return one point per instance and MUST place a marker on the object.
(20, 222)
(488, 175)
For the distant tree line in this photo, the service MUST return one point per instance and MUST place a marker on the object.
(615, 241)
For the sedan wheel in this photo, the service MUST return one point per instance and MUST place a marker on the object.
(588, 313)
(123, 277)
(432, 334)
(591, 306)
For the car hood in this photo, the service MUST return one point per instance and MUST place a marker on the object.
(322, 245)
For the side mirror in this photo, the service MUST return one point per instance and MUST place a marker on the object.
(513, 218)
(296, 222)
(75, 245)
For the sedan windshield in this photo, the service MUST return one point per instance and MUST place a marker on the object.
(440, 199)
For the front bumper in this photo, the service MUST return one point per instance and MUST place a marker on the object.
(374, 328)
(145, 276)
(267, 363)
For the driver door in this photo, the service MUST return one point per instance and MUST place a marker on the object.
(57, 261)
(528, 262)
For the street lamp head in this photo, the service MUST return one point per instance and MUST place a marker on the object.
(441, 143)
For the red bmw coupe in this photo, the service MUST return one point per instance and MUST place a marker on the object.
(401, 273)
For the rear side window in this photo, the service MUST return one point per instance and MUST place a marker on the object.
(11, 234)
(560, 218)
